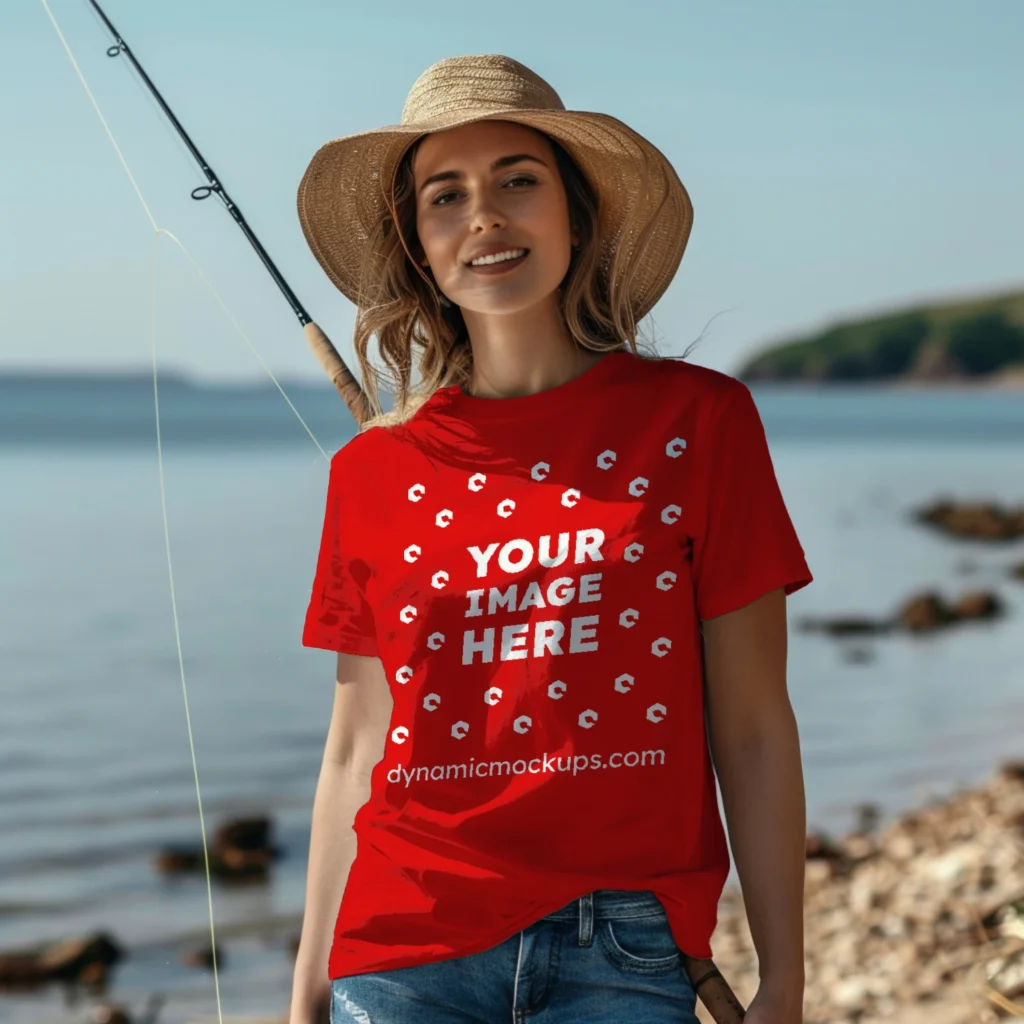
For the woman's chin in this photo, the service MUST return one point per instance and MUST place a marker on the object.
(505, 298)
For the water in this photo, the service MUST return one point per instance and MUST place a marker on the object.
(94, 750)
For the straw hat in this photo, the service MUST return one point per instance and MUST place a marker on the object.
(341, 195)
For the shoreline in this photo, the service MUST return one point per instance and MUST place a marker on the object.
(1006, 384)
(904, 923)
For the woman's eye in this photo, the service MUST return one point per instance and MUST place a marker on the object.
(519, 177)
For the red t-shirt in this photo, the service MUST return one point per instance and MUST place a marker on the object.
(532, 573)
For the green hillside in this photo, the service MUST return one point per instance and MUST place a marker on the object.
(978, 338)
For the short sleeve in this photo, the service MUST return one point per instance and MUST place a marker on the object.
(747, 544)
(338, 617)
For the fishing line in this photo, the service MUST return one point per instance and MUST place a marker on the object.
(157, 232)
(163, 231)
(177, 629)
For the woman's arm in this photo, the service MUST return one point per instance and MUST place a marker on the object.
(355, 743)
(756, 751)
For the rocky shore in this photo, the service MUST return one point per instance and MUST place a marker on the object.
(974, 522)
(920, 921)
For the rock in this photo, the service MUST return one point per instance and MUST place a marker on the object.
(973, 520)
(85, 961)
(895, 926)
(863, 892)
(1005, 915)
(851, 993)
(820, 847)
(929, 611)
(108, 1013)
(1014, 991)
(857, 847)
(925, 612)
(817, 871)
(203, 957)
(953, 865)
(920, 613)
(868, 816)
(978, 605)
(177, 860)
(241, 850)
(243, 834)
(849, 625)
(93, 975)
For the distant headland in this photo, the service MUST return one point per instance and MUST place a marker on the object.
(131, 381)
(973, 341)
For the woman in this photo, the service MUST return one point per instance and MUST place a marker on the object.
(531, 569)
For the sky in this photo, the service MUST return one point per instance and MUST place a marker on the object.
(842, 158)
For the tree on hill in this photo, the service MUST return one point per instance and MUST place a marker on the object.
(890, 353)
(985, 343)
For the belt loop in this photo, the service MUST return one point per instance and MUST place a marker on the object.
(587, 919)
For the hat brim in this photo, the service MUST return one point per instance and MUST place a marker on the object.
(341, 197)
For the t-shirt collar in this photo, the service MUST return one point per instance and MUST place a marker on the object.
(541, 403)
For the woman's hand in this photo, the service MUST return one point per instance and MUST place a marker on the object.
(312, 1009)
(772, 1007)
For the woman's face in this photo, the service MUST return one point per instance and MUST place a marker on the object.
(484, 201)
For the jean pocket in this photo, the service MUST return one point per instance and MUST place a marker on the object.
(641, 944)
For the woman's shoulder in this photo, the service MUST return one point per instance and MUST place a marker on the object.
(676, 378)
(362, 451)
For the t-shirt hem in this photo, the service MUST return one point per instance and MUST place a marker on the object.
(750, 591)
(693, 934)
(363, 646)
(337, 969)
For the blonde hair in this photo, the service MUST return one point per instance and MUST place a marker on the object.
(402, 306)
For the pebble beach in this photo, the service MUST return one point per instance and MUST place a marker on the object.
(922, 920)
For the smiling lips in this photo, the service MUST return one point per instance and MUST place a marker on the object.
(500, 262)
(498, 255)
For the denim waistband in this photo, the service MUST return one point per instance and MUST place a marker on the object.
(604, 904)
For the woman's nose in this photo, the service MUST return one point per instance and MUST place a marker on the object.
(486, 213)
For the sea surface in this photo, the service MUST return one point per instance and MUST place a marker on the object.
(95, 771)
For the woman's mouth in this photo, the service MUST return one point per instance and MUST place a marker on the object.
(503, 265)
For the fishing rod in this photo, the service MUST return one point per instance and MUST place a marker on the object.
(327, 355)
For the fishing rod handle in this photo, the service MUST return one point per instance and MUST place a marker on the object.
(341, 376)
(714, 990)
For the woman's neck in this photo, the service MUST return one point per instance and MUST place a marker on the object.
(523, 354)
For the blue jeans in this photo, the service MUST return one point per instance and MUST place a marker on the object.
(606, 957)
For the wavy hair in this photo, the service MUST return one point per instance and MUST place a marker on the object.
(401, 304)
